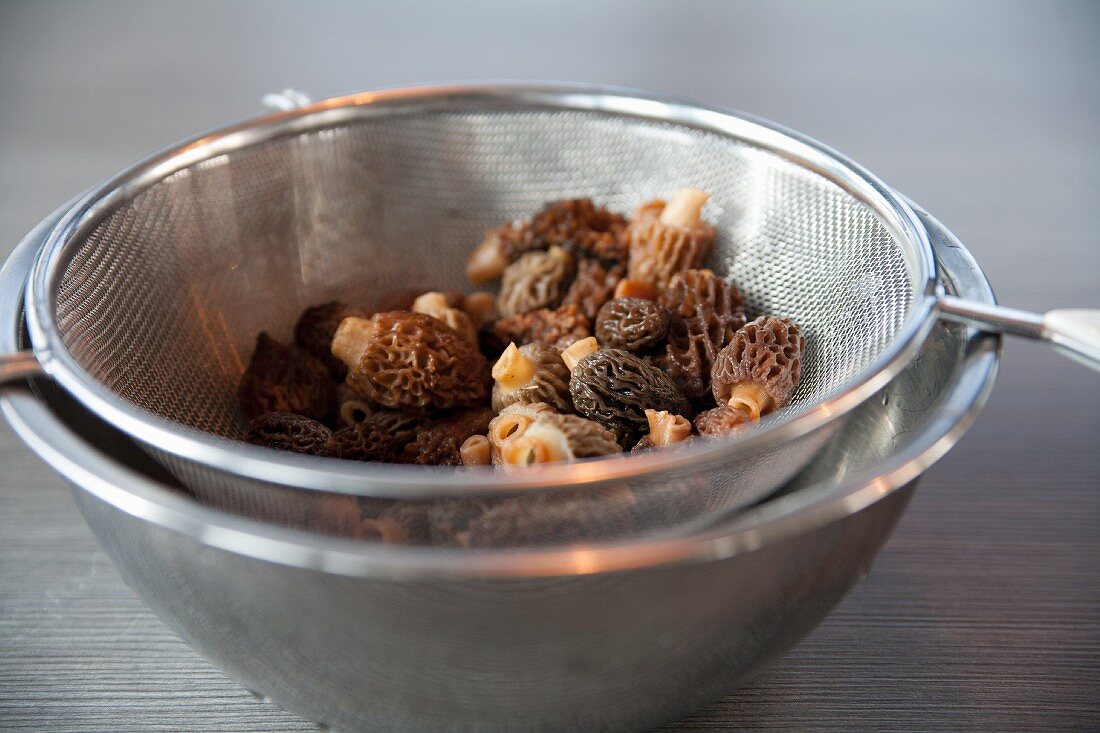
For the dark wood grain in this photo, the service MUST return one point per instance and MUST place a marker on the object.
(983, 611)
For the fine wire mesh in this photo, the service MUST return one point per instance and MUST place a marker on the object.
(162, 301)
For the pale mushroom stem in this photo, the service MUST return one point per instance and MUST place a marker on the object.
(572, 355)
(666, 428)
(512, 426)
(684, 208)
(751, 400)
(351, 339)
(513, 369)
(626, 288)
(350, 409)
(525, 452)
(475, 451)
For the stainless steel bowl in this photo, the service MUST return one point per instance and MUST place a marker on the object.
(612, 637)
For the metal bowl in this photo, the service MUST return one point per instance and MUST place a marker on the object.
(611, 637)
(146, 297)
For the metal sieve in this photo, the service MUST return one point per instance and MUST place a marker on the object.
(147, 294)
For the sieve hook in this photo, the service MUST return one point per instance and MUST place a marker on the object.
(17, 366)
(1073, 331)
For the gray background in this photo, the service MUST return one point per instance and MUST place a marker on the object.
(983, 612)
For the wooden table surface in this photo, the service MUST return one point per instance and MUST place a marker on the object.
(983, 611)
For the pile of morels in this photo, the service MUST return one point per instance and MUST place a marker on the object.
(607, 335)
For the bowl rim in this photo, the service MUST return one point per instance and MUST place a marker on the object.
(124, 489)
(392, 481)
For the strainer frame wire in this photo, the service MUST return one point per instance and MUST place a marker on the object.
(408, 482)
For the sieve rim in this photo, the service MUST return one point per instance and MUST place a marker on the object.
(393, 481)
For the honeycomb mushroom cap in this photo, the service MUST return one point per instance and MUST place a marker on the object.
(593, 286)
(614, 388)
(364, 442)
(549, 384)
(536, 280)
(315, 327)
(282, 378)
(440, 442)
(632, 324)
(658, 250)
(411, 362)
(561, 327)
(706, 312)
(767, 354)
(576, 224)
(592, 231)
(289, 432)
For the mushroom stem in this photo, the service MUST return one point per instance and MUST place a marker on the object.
(511, 426)
(475, 451)
(481, 307)
(635, 289)
(351, 339)
(751, 400)
(524, 452)
(487, 262)
(572, 355)
(666, 428)
(684, 208)
(350, 408)
(513, 369)
(430, 303)
(541, 443)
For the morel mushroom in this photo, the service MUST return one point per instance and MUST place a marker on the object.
(440, 443)
(666, 239)
(578, 224)
(536, 280)
(707, 311)
(719, 420)
(562, 328)
(758, 372)
(289, 432)
(553, 437)
(531, 373)
(282, 378)
(364, 442)
(614, 388)
(632, 324)
(411, 362)
(512, 422)
(593, 286)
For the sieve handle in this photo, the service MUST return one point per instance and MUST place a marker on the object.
(1073, 331)
(18, 366)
